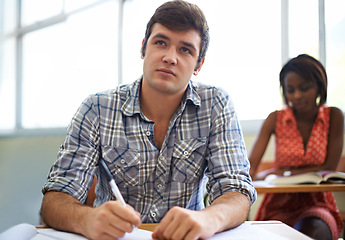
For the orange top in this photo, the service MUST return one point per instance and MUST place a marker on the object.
(292, 207)
(289, 143)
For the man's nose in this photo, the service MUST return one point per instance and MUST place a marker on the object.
(170, 56)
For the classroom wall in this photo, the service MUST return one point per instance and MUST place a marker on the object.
(24, 164)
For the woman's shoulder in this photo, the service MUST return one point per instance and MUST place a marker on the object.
(270, 122)
(336, 110)
(280, 114)
(336, 114)
(273, 115)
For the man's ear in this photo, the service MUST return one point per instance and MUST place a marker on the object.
(141, 49)
(197, 70)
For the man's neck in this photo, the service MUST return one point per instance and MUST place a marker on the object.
(158, 106)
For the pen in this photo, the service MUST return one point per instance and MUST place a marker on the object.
(112, 183)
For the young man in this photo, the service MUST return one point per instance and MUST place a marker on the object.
(163, 137)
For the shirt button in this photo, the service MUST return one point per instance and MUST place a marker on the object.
(185, 153)
(161, 158)
(148, 133)
(159, 185)
(123, 161)
(153, 214)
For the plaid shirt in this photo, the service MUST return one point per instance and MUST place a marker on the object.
(203, 149)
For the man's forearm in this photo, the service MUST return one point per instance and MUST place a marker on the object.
(230, 210)
(111, 220)
(62, 211)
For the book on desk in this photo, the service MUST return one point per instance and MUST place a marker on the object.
(319, 177)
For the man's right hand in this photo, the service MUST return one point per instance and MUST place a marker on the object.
(111, 220)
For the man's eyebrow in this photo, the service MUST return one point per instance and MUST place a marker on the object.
(159, 35)
(187, 44)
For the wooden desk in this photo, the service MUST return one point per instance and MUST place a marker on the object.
(148, 226)
(299, 188)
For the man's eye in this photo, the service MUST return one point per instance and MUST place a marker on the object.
(186, 50)
(160, 42)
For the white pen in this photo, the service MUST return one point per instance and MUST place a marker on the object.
(112, 183)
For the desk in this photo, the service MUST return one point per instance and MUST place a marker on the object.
(148, 226)
(261, 188)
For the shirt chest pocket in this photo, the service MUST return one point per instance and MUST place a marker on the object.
(124, 164)
(188, 160)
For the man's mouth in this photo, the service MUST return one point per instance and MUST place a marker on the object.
(166, 70)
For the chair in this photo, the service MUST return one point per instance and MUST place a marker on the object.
(91, 194)
(341, 168)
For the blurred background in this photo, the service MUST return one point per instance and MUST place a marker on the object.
(54, 53)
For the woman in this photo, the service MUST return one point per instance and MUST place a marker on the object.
(308, 137)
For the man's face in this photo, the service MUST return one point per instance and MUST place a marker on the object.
(170, 59)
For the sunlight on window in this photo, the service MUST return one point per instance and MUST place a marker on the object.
(303, 28)
(243, 56)
(65, 63)
(7, 85)
(37, 10)
(335, 52)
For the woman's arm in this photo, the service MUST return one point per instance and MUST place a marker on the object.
(261, 143)
(335, 139)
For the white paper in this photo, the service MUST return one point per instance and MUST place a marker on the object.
(262, 183)
(138, 234)
(247, 231)
(52, 234)
(22, 231)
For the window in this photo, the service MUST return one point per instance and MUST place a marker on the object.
(303, 28)
(55, 60)
(238, 51)
(7, 64)
(335, 51)
(65, 62)
(65, 50)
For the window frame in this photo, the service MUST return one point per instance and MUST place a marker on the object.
(248, 126)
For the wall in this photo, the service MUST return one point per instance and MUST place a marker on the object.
(24, 164)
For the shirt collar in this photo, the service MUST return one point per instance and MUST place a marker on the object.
(131, 105)
(192, 94)
(289, 116)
